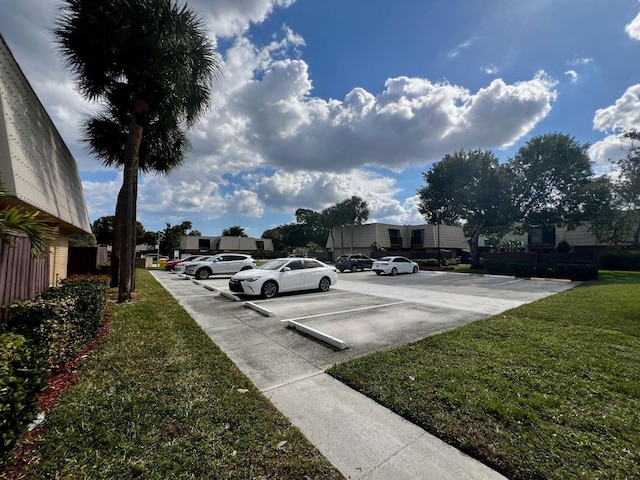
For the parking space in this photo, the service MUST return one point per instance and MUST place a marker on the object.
(366, 311)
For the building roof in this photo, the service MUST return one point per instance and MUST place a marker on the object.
(36, 167)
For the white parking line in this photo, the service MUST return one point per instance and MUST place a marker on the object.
(344, 311)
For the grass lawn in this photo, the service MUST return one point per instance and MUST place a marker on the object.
(547, 390)
(158, 399)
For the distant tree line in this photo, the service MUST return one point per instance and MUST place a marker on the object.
(311, 229)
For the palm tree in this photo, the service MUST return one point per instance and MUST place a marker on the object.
(160, 51)
(13, 219)
(163, 147)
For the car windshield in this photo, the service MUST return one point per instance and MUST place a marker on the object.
(385, 259)
(274, 264)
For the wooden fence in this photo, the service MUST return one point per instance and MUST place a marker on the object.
(21, 276)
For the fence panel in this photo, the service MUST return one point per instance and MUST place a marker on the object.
(21, 276)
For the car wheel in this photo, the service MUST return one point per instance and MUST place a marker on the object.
(415, 269)
(378, 273)
(203, 274)
(269, 289)
(325, 283)
(354, 268)
(394, 271)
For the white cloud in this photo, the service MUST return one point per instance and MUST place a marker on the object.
(623, 115)
(228, 18)
(633, 28)
(489, 69)
(575, 61)
(573, 75)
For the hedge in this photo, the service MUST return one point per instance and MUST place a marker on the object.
(41, 334)
(22, 377)
(620, 261)
(61, 320)
(569, 271)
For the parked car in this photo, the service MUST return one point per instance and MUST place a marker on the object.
(223, 263)
(353, 262)
(284, 275)
(181, 267)
(172, 263)
(155, 257)
(394, 265)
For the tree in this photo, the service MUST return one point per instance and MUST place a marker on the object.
(468, 187)
(86, 240)
(349, 212)
(160, 52)
(37, 231)
(170, 238)
(103, 229)
(552, 182)
(235, 231)
(621, 221)
(312, 226)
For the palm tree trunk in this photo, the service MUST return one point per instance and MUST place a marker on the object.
(475, 251)
(129, 197)
(117, 239)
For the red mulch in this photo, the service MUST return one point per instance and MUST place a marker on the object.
(61, 379)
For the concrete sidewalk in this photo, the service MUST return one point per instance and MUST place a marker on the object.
(362, 439)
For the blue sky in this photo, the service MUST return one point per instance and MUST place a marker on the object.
(323, 100)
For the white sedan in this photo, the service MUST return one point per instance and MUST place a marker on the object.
(284, 275)
(394, 265)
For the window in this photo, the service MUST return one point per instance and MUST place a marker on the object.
(204, 243)
(311, 264)
(540, 235)
(395, 238)
(401, 260)
(417, 237)
(296, 265)
(259, 245)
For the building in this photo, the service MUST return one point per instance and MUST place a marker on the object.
(257, 247)
(415, 241)
(36, 168)
(545, 239)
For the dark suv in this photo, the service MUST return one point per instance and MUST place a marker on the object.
(353, 262)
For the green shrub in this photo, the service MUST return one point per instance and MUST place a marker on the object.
(22, 377)
(563, 247)
(570, 271)
(629, 261)
(61, 320)
(427, 262)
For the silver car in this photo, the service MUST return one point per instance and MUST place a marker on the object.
(394, 265)
(221, 264)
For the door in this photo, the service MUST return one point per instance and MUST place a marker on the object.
(293, 279)
(313, 272)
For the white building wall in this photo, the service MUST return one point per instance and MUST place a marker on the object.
(35, 164)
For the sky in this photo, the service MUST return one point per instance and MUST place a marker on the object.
(322, 100)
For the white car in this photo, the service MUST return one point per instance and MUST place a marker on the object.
(284, 275)
(223, 263)
(181, 267)
(394, 265)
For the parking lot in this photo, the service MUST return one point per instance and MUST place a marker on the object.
(359, 437)
(364, 311)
